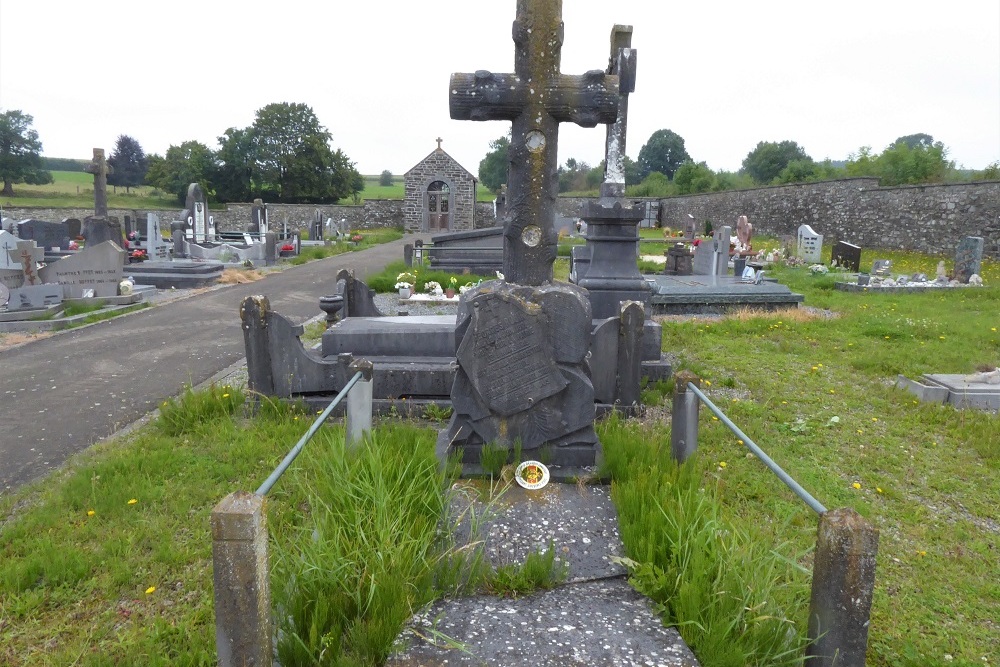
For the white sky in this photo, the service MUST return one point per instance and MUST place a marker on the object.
(724, 75)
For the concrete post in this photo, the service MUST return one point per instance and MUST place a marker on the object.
(359, 404)
(631, 319)
(242, 581)
(254, 316)
(684, 418)
(842, 586)
(408, 254)
(270, 248)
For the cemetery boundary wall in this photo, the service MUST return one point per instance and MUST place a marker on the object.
(925, 218)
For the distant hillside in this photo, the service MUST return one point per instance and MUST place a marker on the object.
(63, 164)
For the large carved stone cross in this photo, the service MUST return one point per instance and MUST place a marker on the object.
(536, 97)
(100, 169)
(622, 63)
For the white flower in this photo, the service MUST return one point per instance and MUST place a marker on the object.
(432, 286)
(403, 285)
(500, 275)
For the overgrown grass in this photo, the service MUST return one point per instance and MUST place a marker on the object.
(385, 280)
(370, 237)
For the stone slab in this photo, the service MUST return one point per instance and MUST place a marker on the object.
(96, 267)
(594, 618)
(965, 394)
(34, 297)
(429, 335)
(178, 274)
(713, 294)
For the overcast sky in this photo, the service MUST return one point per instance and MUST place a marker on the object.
(723, 75)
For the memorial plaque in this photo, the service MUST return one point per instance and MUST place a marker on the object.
(507, 354)
(98, 268)
(882, 267)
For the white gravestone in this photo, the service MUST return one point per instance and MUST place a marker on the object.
(810, 245)
(98, 269)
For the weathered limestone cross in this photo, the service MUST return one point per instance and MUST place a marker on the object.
(623, 64)
(536, 97)
(100, 169)
(439, 140)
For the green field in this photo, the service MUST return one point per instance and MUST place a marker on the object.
(395, 191)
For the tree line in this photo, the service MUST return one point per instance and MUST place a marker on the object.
(284, 156)
(664, 168)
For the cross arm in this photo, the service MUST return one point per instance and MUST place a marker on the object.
(586, 99)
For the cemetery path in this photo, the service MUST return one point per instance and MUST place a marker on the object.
(64, 393)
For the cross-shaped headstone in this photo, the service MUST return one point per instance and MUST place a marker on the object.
(439, 140)
(536, 98)
(28, 254)
(622, 63)
(100, 169)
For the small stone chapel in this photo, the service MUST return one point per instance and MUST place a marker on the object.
(440, 195)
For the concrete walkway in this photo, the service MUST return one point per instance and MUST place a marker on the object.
(61, 394)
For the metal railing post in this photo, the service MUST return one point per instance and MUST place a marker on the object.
(241, 580)
(684, 418)
(359, 405)
(842, 586)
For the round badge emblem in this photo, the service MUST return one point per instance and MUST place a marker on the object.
(532, 475)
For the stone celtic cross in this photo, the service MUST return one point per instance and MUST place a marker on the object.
(100, 169)
(536, 98)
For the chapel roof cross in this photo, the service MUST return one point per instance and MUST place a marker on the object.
(439, 140)
(536, 98)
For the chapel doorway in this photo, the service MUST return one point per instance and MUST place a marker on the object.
(438, 206)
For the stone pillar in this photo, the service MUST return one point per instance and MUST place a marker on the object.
(684, 417)
(241, 580)
(359, 405)
(842, 586)
(270, 248)
(630, 327)
(254, 317)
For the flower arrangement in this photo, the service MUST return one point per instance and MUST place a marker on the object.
(432, 286)
(357, 238)
(468, 286)
(138, 255)
(288, 247)
(818, 269)
(405, 280)
(73, 245)
(453, 282)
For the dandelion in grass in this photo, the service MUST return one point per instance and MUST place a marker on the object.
(740, 442)
(921, 553)
(708, 383)
(856, 485)
(878, 489)
(91, 512)
(150, 590)
(784, 402)
(225, 396)
(714, 418)
(874, 419)
(133, 501)
(815, 368)
(722, 464)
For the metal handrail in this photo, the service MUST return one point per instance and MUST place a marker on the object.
(752, 446)
(287, 461)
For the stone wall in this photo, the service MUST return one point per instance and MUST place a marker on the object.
(372, 214)
(925, 218)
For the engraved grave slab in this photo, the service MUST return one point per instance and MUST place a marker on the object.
(99, 268)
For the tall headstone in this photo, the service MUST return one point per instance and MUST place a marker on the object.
(968, 258)
(100, 169)
(612, 275)
(74, 227)
(316, 233)
(98, 229)
(522, 372)
(258, 218)
(197, 206)
(156, 247)
(810, 245)
(847, 255)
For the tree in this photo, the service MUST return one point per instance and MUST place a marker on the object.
(632, 176)
(191, 162)
(234, 170)
(20, 152)
(385, 178)
(765, 162)
(493, 167)
(128, 162)
(293, 160)
(798, 171)
(900, 164)
(664, 152)
(694, 177)
(914, 141)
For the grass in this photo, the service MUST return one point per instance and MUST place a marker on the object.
(370, 237)
(75, 189)
(721, 547)
(385, 280)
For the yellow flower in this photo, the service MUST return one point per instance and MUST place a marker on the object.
(740, 442)
(150, 590)
(921, 553)
(941, 337)
(856, 485)
(225, 396)
(91, 512)
(993, 329)
(878, 489)
(133, 501)
(707, 383)
(784, 402)
(815, 368)
(714, 418)
(722, 464)
(832, 391)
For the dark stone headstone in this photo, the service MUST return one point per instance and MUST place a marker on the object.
(522, 375)
(197, 205)
(74, 227)
(847, 255)
(258, 217)
(45, 234)
(968, 257)
(478, 251)
(98, 230)
(679, 260)
(316, 233)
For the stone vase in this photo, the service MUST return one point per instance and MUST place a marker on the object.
(404, 292)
